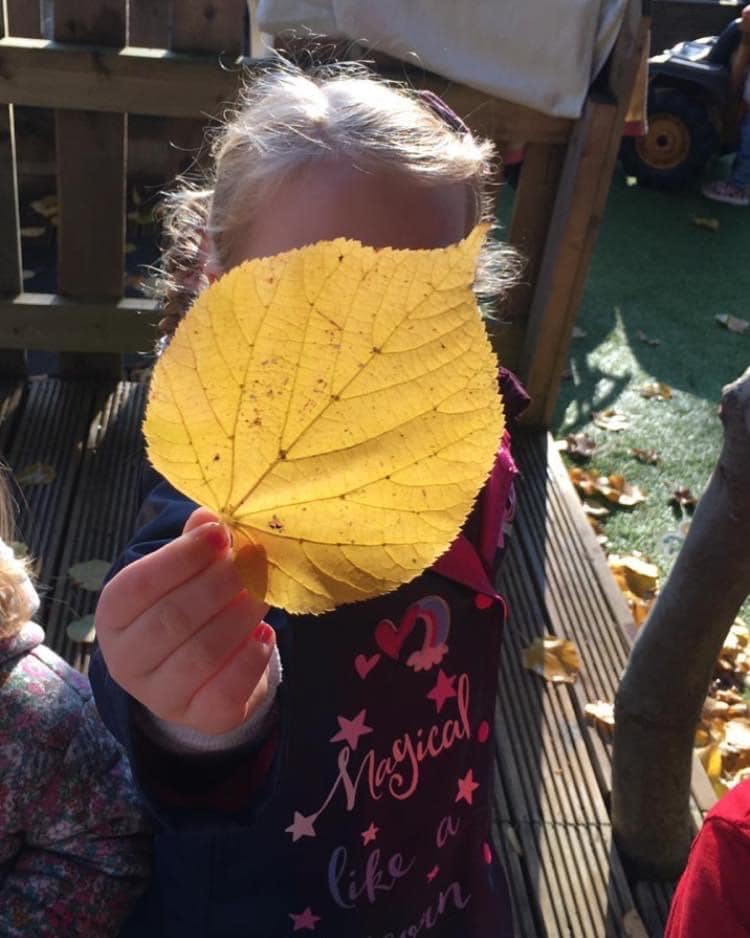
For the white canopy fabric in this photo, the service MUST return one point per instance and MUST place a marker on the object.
(540, 53)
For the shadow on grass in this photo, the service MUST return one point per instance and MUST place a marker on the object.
(655, 273)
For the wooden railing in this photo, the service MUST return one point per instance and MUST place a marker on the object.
(97, 61)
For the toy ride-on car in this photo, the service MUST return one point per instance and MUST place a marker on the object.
(692, 111)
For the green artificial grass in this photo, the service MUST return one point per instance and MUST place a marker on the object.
(655, 272)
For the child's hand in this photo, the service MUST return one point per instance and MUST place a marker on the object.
(182, 636)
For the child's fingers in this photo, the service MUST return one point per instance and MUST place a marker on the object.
(148, 641)
(209, 679)
(222, 703)
(200, 516)
(143, 583)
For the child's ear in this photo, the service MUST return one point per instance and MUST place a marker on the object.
(212, 268)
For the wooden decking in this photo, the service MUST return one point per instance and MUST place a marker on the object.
(553, 771)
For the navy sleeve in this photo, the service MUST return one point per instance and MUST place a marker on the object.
(177, 788)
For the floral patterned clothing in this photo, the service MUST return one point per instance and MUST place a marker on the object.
(74, 852)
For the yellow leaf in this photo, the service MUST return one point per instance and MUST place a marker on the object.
(641, 577)
(711, 759)
(554, 659)
(337, 406)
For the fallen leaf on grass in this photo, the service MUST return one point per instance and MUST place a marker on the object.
(642, 337)
(611, 420)
(38, 473)
(598, 530)
(594, 509)
(82, 630)
(616, 489)
(292, 429)
(637, 575)
(648, 456)
(732, 323)
(90, 575)
(711, 224)
(578, 333)
(577, 446)
(654, 389)
(683, 498)
(613, 488)
(554, 659)
(638, 582)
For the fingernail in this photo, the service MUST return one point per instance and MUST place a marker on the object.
(263, 634)
(213, 534)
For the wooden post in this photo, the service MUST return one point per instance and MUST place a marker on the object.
(218, 26)
(91, 155)
(579, 207)
(24, 18)
(209, 26)
(148, 23)
(12, 361)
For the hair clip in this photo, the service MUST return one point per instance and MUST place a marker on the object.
(442, 110)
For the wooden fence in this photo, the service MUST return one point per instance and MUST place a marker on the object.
(97, 61)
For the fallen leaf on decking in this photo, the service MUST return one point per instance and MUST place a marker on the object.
(38, 473)
(90, 574)
(555, 659)
(82, 630)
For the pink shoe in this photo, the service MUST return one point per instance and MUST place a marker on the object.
(728, 192)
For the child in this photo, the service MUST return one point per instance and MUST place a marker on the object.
(736, 189)
(327, 774)
(73, 850)
(712, 895)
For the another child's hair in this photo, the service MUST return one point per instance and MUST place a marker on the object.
(287, 118)
(17, 601)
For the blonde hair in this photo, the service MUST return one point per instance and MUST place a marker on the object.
(286, 119)
(17, 605)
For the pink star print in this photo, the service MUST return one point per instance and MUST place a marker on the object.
(443, 689)
(466, 788)
(301, 826)
(370, 834)
(305, 920)
(351, 730)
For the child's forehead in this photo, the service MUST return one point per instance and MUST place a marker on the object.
(335, 198)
